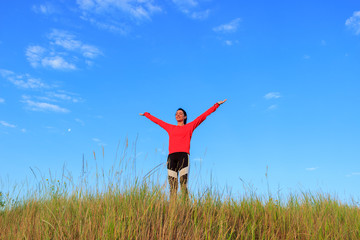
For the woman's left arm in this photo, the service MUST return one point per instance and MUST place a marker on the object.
(203, 116)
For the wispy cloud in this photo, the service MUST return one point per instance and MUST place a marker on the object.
(62, 95)
(272, 95)
(22, 80)
(231, 42)
(230, 27)
(58, 63)
(6, 124)
(63, 52)
(39, 56)
(192, 9)
(99, 142)
(48, 96)
(353, 174)
(311, 168)
(9, 125)
(2, 100)
(186, 3)
(354, 22)
(81, 122)
(42, 106)
(201, 15)
(34, 55)
(69, 42)
(272, 107)
(57, 96)
(112, 26)
(117, 16)
(46, 9)
(135, 9)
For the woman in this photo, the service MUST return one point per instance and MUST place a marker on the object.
(179, 145)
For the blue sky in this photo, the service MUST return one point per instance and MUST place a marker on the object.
(74, 76)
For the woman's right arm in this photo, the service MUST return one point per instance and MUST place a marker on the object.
(159, 122)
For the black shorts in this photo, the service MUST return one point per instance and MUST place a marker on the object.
(178, 163)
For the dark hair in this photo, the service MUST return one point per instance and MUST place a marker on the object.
(184, 114)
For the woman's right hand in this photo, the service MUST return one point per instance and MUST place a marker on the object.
(141, 114)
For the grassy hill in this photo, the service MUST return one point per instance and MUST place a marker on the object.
(141, 209)
(144, 212)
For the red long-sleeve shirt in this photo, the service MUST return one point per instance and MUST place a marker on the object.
(180, 136)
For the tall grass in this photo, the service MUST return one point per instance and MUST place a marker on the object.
(142, 210)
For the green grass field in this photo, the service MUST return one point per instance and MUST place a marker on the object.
(142, 210)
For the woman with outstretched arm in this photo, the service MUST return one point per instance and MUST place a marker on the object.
(179, 145)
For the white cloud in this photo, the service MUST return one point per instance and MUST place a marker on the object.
(64, 39)
(5, 124)
(311, 169)
(231, 42)
(64, 50)
(185, 6)
(200, 15)
(272, 107)
(34, 55)
(69, 42)
(306, 57)
(354, 22)
(192, 9)
(58, 96)
(22, 80)
(39, 56)
(272, 95)
(186, 3)
(228, 42)
(114, 26)
(117, 15)
(353, 174)
(89, 51)
(58, 63)
(228, 27)
(5, 73)
(46, 9)
(44, 102)
(63, 96)
(138, 9)
(42, 106)
(85, 4)
(81, 122)
(99, 142)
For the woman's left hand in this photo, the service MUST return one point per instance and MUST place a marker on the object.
(221, 102)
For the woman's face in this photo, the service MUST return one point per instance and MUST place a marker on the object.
(180, 117)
